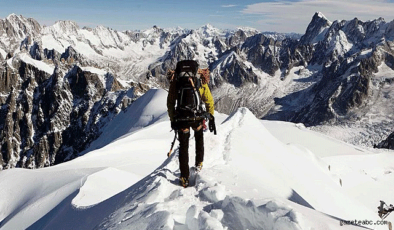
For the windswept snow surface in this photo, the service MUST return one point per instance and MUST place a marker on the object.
(257, 175)
(38, 64)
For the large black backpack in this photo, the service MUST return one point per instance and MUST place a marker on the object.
(189, 105)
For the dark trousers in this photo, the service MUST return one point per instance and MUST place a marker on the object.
(184, 135)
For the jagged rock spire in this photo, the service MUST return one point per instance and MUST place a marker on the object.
(316, 29)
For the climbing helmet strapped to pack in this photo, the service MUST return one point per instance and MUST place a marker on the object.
(189, 104)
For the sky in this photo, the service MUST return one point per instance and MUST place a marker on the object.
(264, 15)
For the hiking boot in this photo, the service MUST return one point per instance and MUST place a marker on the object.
(199, 166)
(184, 181)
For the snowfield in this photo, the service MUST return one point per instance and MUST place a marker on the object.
(256, 175)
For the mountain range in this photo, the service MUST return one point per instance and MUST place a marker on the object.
(257, 174)
(61, 84)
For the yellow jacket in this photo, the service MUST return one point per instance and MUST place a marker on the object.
(205, 94)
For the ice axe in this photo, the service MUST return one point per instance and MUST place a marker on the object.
(172, 144)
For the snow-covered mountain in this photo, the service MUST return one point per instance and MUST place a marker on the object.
(336, 78)
(352, 89)
(60, 84)
(256, 175)
(337, 75)
(67, 91)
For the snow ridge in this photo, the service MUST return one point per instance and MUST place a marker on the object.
(126, 184)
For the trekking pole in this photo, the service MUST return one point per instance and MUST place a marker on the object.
(172, 144)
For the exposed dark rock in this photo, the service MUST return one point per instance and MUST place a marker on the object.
(236, 39)
(35, 51)
(52, 55)
(386, 144)
(262, 52)
(48, 119)
(70, 55)
(316, 29)
(233, 70)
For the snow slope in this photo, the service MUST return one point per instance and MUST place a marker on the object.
(257, 175)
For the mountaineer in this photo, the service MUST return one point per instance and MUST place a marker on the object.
(189, 104)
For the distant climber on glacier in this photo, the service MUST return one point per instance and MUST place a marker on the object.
(189, 104)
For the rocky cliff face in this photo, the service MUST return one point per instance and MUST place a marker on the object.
(49, 118)
(354, 51)
(334, 74)
(388, 143)
(15, 28)
(53, 104)
(355, 72)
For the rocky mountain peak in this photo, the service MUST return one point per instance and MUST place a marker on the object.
(320, 15)
(154, 31)
(176, 30)
(207, 27)
(248, 30)
(12, 17)
(101, 28)
(157, 29)
(209, 31)
(18, 27)
(65, 27)
(316, 29)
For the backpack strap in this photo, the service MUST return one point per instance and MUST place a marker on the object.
(206, 114)
(195, 90)
(170, 75)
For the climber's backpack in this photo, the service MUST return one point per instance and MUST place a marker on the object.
(189, 105)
